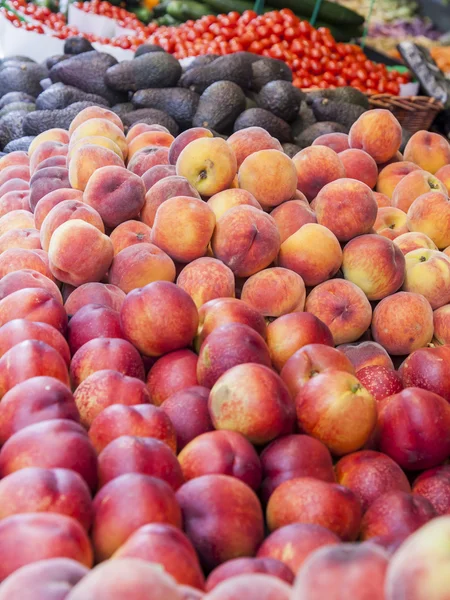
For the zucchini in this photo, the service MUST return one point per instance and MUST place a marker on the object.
(183, 10)
(226, 6)
(329, 12)
(342, 33)
(160, 9)
(168, 21)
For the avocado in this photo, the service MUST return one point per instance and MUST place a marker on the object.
(11, 127)
(22, 77)
(16, 59)
(87, 72)
(250, 102)
(258, 117)
(122, 108)
(46, 83)
(16, 97)
(201, 61)
(36, 122)
(305, 119)
(152, 116)
(265, 70)
(343, 113)
(22, 144)
(14, 106)
(343, 94)
(59, 95)
(233, 67)
(147, 48)
(281, 98)
(291, 149)
(55, 59)
(179, 103)
(306, 137)
(152, 70)
(77, 45)
(219, 106)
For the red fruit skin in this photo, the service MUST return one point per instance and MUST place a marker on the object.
(380, 381)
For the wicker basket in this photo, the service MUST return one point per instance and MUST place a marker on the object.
(413, 112)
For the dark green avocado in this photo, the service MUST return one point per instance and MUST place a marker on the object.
(219, 106)
(59, 96)
(179, 103)
(343, 94)
(152, 70)
(146, 49)
(258, 117)
(152, 116)
(266, 70)
(307, 136)
(236, 68)
(22, 77)
(36, 122)
(77, 45)
(16, 97)
(22, 144)
(281, 98)
(339, 112)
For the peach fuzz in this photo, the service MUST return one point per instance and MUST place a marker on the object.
(402, 323)
(93, 321)
(138, 265)
(79, 253)
(342, 306)
(430, 214)
(380, 381)
(366, 354)
(430, 151)
(309, 500)
(145, 319)
(359, 165)
(378, 133)
(258, 586)
(247, 565)
(294, 456)
(172, 373)
(149, 138)
(183, 139)
(382, 200)
(336, 409)
(50, 200)
(270, 176)
(392, 174)
(413, 240)
(428, 273)
(16, 219)
(313, 252)
(412, 186)
(14, 185)
(32, 401)
(17, 259)
(147, 158)
(130, 454)
(168, 187)
(45, 151)
(94, 140)
(375, 264)
(427, 368)
(291, 216)
(27, 239)
(348, 567)
(103, 127)
(37, 490)
(222, 517)
(317, 166)
(274, 292)
(47, 180)
(170, 548)
(153, 502)
(390, 222)
(223, 201)
(53, 161)
(443, 174)
(292, 544)
(15, 201)
(237, 245)
(15, 172)
(434, 485)
(290, 332)
(139, 128)
(94, 293)
(206, 279)
(95, 112)
(253, 400)
(441, 320)
(311, 360)
(58, 443)
(209, 164)
(156, 173)
(86, 160)
(17, 157)
(336, 141)
(347, 207)
(19, 330)
(52, 135)
(128, 234)
(183, 228)
(188, 411)
(33, 304)
(250, 140)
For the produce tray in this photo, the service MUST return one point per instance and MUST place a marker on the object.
(413, 112)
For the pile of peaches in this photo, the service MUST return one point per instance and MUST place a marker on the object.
(224, 373)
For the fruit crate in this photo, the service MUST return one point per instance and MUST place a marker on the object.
(413, 112)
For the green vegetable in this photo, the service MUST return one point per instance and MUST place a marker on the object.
(226, 6)
(342, 33)
(143, 14)
(329, 11)
(187, 9)
(160, 9)
(168, 21)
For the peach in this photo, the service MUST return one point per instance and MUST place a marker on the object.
(94, 140)
(128, 234)
(153, 502)
(188, 411)
(294, 456)
(311, 360)
(223, 201)
(441, 321)
(48, 579)
(380, 381)
(32, 401)
(350, 567)
(138, 265)
(428, 273)
(183, 228)
(205, 279)
(54, 135)
(390, 222)
(79, 253)
(434, 485)
(228, 346)
(309, 500)
(316, 167)
(35, 490)
(95, 112)
(104, 388)
(53, 161)
(347, 207)
(141, 420)
(289, 333)
(50, 200)
(156, 173)
(382, 200)
(149, 138)
(185, 138)
(45, 181)
(222, 517)
(270, 176)
(33, 304)
(359, 165)
(86, 160)
(414, 428)
(18, 330)
(427, 368)
(430, 151)
(147, 158)
(15, 172)
(28, 239)
(46, 150)
(336, 141)
(250, 140)
(14, 185)
(17, 259)
(342, 306)
(313, 252)
(15, 201)
(407, 242)
(221, 452)
(28, 538)
(58, 443)
(14, 158)
(366, 354)
(274, 292)
(246, 240)
(402, 323)
(443, 175)
(326, 406)
(172, 373)
(291, 216)
(253, 400)
(93, 321)
(169, 547)
(130, 454)
(240, 566)
(168, 187)
(100, 126)
(94, 293)
(375, 264)
(378, 133)
(430, 214)
(209, 164)
(139, 128)
(392, 174)
(257, 586)
(412, 186)
(16, 219)
(117, 194)
(145, 323)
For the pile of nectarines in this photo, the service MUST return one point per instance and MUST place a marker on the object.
(224, 373)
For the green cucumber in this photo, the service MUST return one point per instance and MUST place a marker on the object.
(342, 33)
(183, 10)
(160, 9)
(168, 21)
(240, 6)
(329, 12)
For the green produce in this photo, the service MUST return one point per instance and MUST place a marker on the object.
(151, 70)
(265, 70)
(143, 14)
(306, 137)
(184, 10)
(21, 77)
(258, 117)
(16, 97)
(147, 49)
(234, 67)
(168, 21)
(181, 104)
(59, 95)
(342, 33)
(343, 94)
(77, 45)
(340, 112)
(17, 106)
(281, 98)
(20, 144)
(55, 59)
(11, 127)
(152, 116)
(219, 106)
(240, 6)
(161, 8)
(329, 11)
(38, 121)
